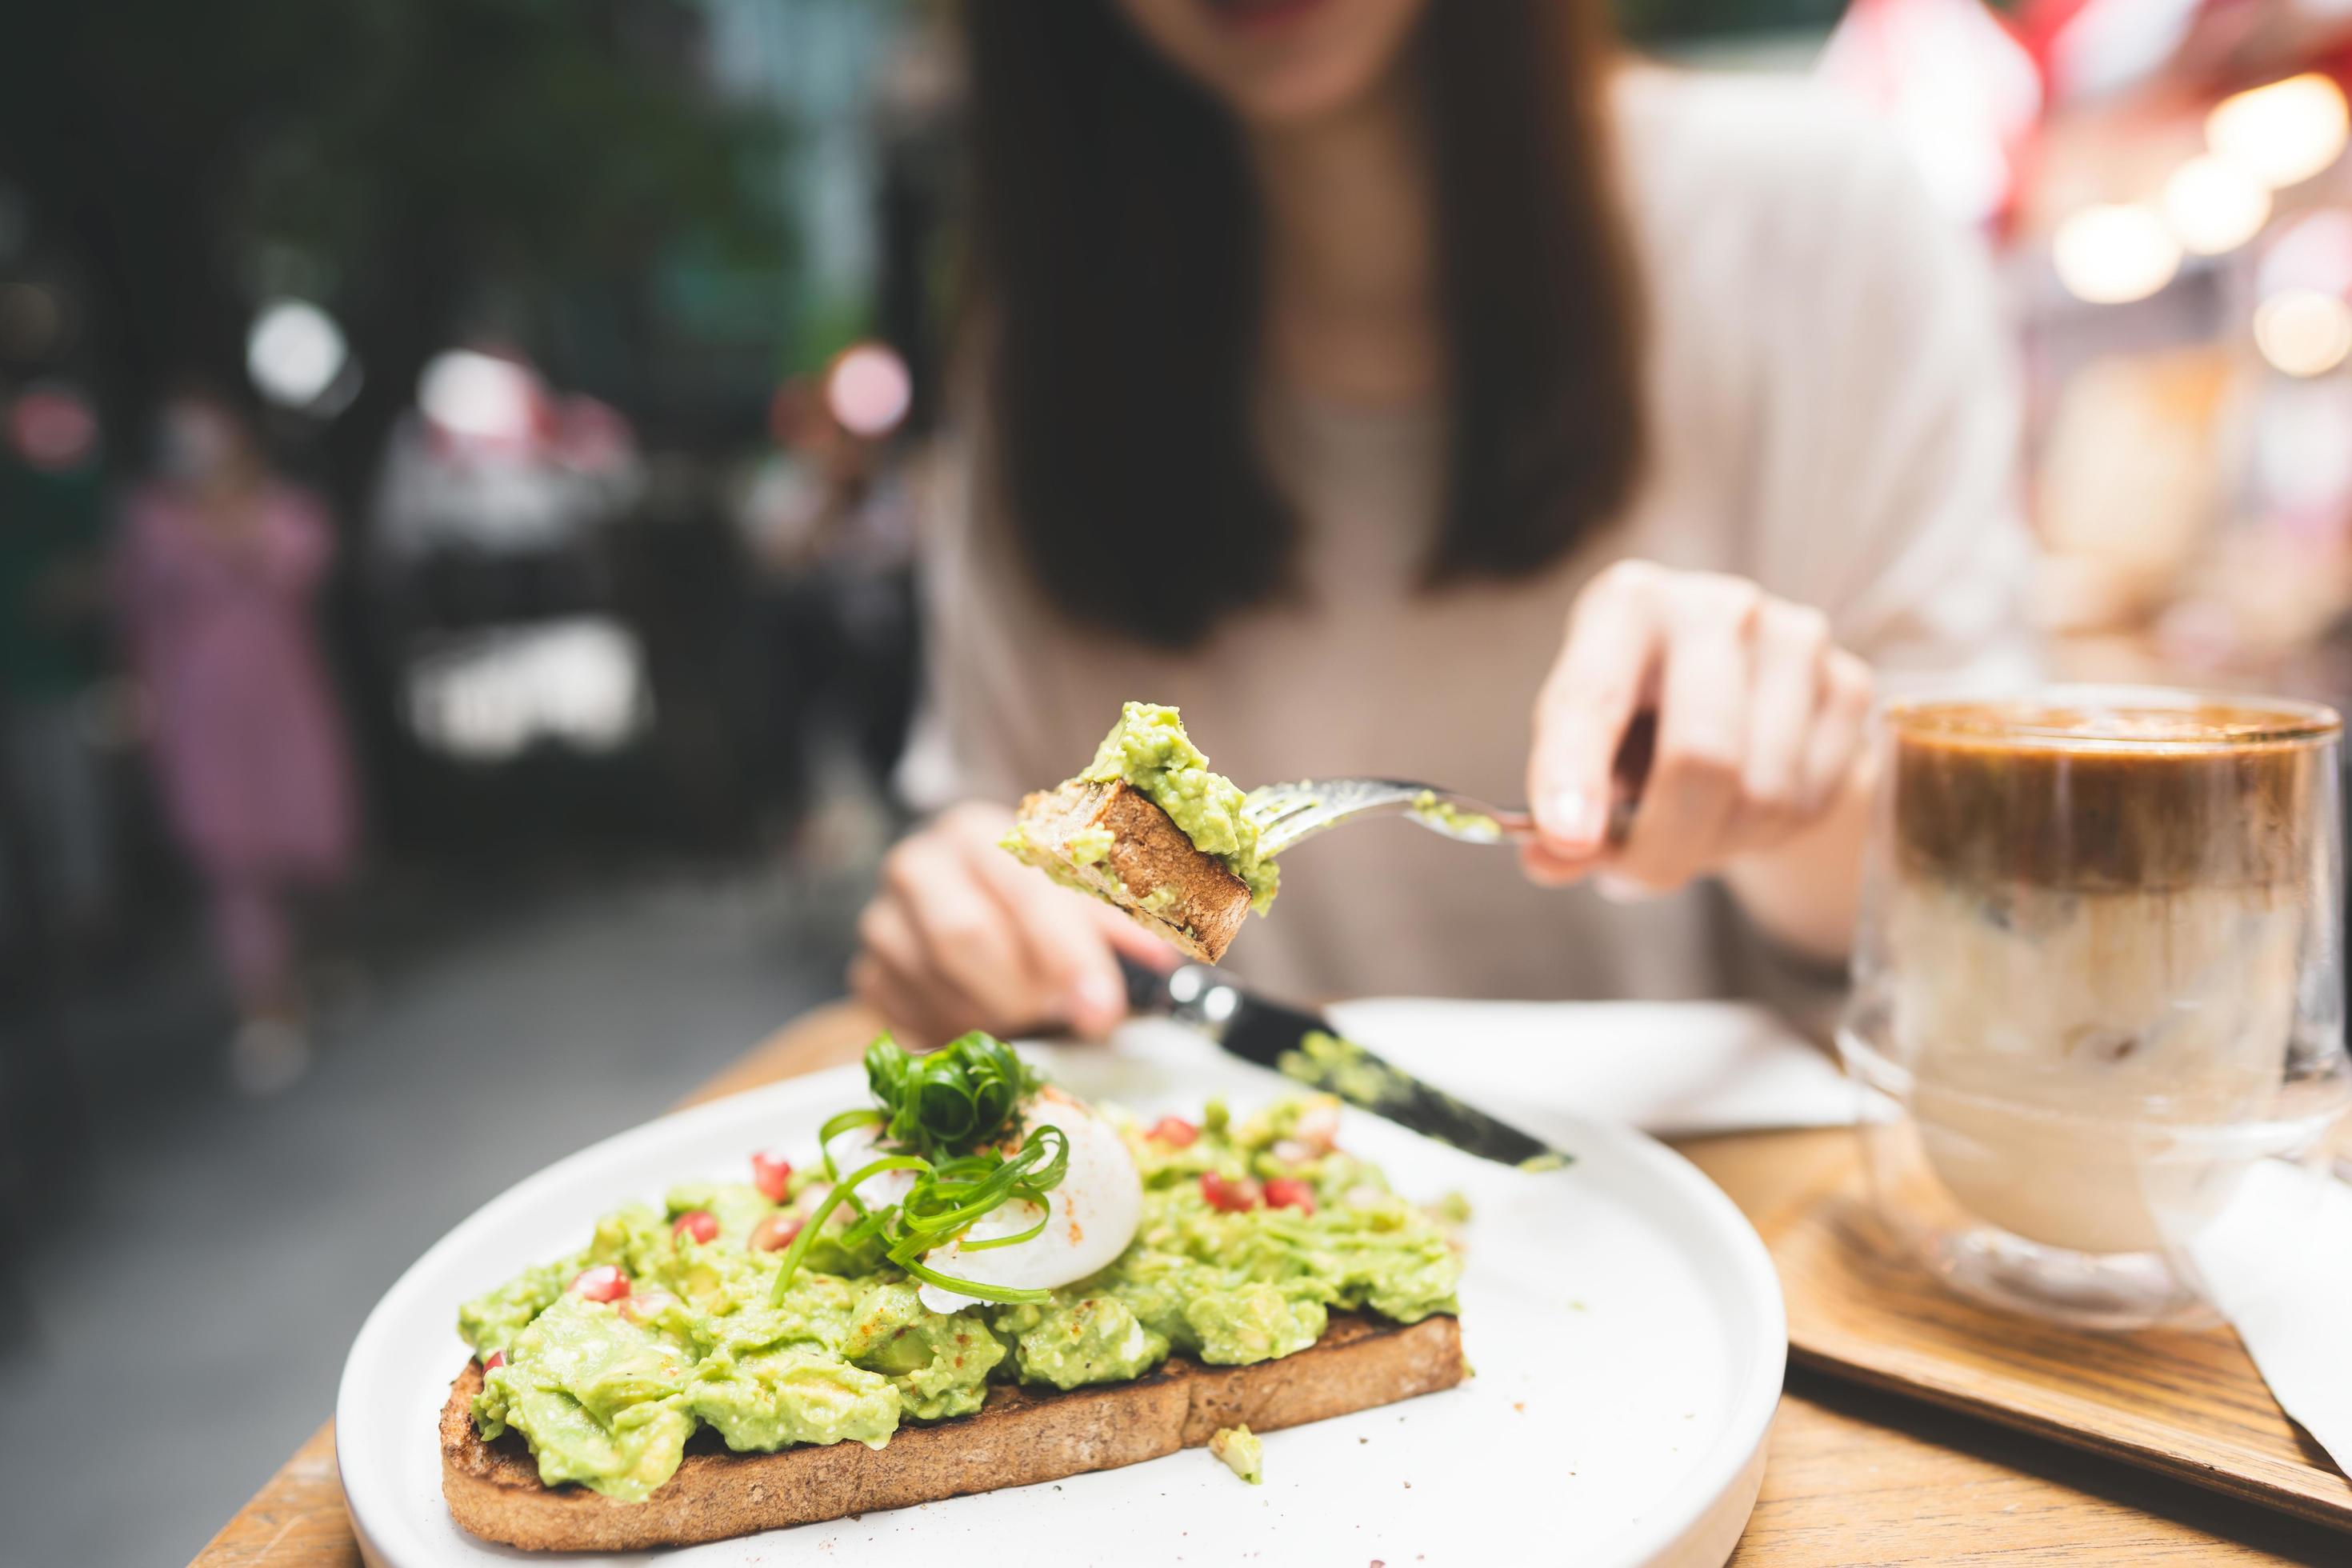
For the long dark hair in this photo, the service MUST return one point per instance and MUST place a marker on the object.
(1114, 256)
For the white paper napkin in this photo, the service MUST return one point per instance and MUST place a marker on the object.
(1667, 1068)
(2278, 1263)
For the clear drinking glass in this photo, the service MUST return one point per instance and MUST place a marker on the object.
(2098, 976)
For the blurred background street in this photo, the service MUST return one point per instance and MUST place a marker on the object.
(570, 378)
(206, 1261)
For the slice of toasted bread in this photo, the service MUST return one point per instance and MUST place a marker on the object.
(1153, 869)
(1020, 1438)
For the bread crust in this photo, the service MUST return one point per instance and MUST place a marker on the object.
(1202, 902)
(1020, 1438)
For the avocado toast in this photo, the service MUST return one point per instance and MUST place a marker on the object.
(1149, 827)
(978, 1282)
(1021, 1437)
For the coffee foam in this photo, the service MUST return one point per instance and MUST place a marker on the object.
(2109, 798)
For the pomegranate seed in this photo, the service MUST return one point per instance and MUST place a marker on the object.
(700, 1223)
(1289, 1192)
(497, 1360)
(771, 1176)
(602, 1283)
(645, 1304)
(1175, 1132)
(1232, 1197)
(775, 1233)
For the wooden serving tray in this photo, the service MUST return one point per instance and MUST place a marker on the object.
(2189, 1405)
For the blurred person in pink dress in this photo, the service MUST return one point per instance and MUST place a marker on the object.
(218, 576)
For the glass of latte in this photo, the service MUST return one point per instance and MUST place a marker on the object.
(2098, 976)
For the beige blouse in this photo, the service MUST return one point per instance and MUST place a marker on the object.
(1832, 417)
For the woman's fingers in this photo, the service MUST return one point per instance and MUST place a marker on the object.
(1788, 684)
(1693, 789)
(913, 1021)
(1548, 868)
(1066, 949)
(892, 976)
(1758, 717)
(1839, 729)
(967, 940)
(1129, 936)
(1601, 679)
(962, 936)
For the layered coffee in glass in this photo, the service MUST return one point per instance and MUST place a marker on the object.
(2097, 977)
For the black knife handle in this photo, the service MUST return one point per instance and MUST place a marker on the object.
(1147, 988)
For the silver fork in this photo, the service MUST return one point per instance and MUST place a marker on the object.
(1285, 814)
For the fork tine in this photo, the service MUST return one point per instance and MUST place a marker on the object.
(1276, 800)
(1285, 814)
(1288, 829)
(1275, 839)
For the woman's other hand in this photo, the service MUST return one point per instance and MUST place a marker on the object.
(1759, 727)
(963, 936)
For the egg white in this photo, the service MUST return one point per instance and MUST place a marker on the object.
(1090, 1217)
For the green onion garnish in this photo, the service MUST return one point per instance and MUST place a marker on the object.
(943, 1112)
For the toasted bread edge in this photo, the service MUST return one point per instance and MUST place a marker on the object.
(1149, 853)
(1021, 1437)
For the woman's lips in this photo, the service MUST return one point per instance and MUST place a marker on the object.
(1261, 16)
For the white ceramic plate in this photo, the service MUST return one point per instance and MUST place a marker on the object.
(1625, 1321)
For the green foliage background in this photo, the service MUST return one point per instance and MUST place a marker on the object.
(553, 171)
(518, 166)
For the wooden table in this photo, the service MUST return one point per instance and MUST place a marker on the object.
(1854, 1476)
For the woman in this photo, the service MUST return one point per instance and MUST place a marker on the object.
(1365, 375)
(218, 569)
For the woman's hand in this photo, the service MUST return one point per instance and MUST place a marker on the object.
(1760, 726)
(963, 936)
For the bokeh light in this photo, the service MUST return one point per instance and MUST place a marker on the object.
(2213, 203)
(2284, 133)
(578, 679)
(479, 396)
(869, 390)
(2299, 460)
(294, 352)
(2111, 255)
(2304, 332)
(2313, 251)
(52, 427)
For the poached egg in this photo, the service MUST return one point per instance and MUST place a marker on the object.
(1090, 1217)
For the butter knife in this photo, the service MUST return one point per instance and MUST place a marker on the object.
(1304, 1045)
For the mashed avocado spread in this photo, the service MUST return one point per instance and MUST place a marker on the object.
(1241, 1452)
(1149, 749)
(1249, 1236)
(1454, 819)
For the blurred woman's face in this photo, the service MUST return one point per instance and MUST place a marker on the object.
(1278, 62)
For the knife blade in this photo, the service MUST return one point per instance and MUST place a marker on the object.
(1273, 1036)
